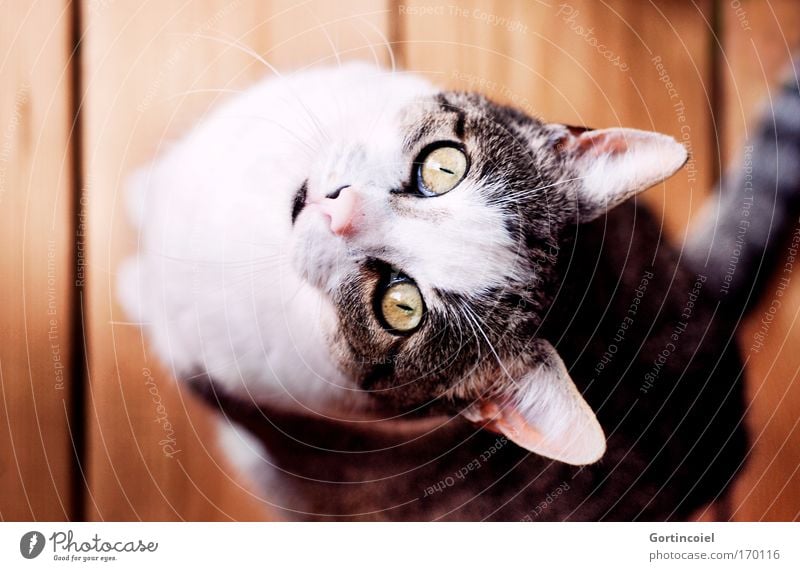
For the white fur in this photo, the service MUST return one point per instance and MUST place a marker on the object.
(225, 284)
(247, 455)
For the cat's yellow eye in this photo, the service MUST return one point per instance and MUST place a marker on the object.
(402, 307)
(442, 170)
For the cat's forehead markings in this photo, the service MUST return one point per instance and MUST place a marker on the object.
(443, 121)
(421, 130)
(460, 116)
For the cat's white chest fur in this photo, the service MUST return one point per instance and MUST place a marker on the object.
(211, 280)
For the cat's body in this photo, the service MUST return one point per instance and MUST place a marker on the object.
(616, 317)
(646, 333)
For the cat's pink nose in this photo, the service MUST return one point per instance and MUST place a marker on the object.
(342, 208)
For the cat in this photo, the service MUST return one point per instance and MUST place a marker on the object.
(407, 303)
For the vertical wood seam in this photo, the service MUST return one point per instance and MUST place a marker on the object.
(718, 131)
(397, 33)
(77, 406)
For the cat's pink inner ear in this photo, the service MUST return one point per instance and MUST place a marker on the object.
(545, 414)
(579, 442)
(614, 164)
(608, 142)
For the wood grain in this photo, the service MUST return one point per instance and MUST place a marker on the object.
(151, 70)
(36, 200)
(758, 41)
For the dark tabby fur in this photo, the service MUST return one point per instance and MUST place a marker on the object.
(647, 330)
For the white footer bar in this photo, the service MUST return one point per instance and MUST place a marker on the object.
(378, 547)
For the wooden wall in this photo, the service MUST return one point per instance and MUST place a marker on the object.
(73, 125)
(756, 46)
(36, 269)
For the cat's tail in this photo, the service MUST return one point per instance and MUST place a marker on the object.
(744, 231)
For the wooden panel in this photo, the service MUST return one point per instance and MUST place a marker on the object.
(583, 63)
(758, 39)
(35, 261)
(151, 70)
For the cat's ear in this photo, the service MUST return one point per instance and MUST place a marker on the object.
(614, 164)
(545, 413)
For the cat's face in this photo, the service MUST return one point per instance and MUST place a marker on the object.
(427, 253)
(436, 241)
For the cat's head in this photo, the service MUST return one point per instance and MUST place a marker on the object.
(437, 245)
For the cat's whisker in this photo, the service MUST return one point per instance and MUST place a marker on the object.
(327, 35)
(458, 320)
(474, 334)
(312, 151)
(252, 53)
(491, 347)
(516, 196)
(384, 40)
(529, 192)
(304, 284)
(483, 322)
(313, 119)
(320, 300)
(279, 244)
(253, 262)
(201, 90)
(229, 280)
(234, 289)
(233, 277)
